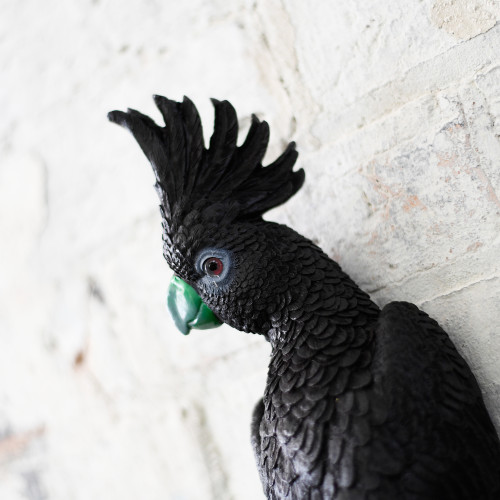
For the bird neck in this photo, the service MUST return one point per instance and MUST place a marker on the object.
(320, 353)
(328, 319)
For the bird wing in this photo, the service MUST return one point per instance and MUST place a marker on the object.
(433, 410)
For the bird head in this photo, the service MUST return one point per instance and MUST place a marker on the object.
(229, 264)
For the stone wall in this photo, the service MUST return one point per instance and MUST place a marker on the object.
(396, 111)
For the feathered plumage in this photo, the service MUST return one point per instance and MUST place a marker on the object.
(227, 181)
(360, 403)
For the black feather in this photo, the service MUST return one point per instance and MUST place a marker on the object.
(225, 181)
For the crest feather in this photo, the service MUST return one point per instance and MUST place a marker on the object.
(224, 182)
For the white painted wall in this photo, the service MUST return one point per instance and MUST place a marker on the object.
(396, 111)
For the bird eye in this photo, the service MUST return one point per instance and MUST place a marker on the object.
(213, 266)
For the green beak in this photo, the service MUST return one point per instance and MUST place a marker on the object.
(187, 308)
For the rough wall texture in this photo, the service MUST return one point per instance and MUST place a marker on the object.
(396, 111)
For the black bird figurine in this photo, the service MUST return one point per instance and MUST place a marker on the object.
(360, 402)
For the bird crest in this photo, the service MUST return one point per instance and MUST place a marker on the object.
(220, 184)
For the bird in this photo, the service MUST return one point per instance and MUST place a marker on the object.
(360, 402)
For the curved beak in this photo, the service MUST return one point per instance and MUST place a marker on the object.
(187, 309)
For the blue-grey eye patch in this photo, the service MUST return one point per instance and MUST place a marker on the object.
(223, 255)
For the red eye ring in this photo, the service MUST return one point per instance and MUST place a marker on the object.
(213, 266)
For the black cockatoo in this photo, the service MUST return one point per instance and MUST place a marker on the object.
(360, 403)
